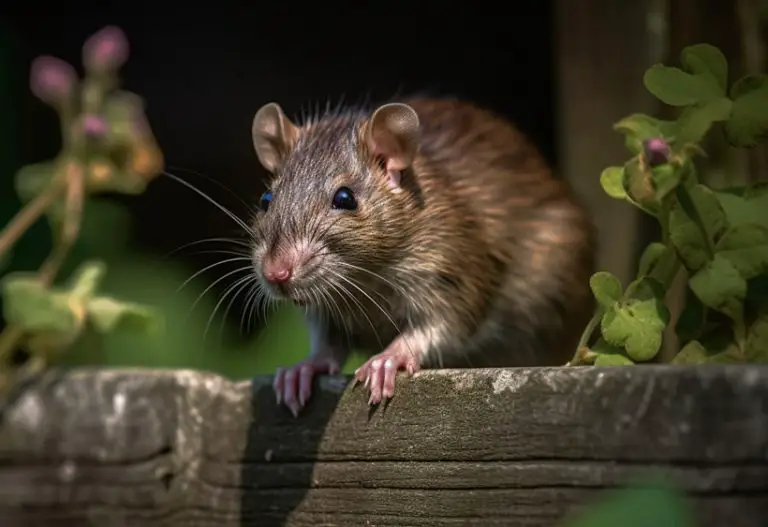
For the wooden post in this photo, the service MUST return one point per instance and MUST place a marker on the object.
(491, 447)
(605, 46)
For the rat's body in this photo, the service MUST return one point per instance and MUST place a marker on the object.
(458, 248)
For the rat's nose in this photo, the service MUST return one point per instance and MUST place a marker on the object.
(278, 272)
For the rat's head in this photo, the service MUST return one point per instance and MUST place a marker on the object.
(336, 211)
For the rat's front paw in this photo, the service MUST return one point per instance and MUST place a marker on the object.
(293, 386)
(380, 371)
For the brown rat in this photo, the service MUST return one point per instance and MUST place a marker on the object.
(428, 232)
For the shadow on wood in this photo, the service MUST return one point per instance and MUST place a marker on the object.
(468, 447)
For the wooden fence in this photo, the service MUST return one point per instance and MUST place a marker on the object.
(476, 447)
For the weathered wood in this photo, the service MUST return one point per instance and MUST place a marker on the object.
(470, 447)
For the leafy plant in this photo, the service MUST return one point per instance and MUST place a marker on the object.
(107, 146)
(720, 236)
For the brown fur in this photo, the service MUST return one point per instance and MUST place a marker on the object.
(482, 241)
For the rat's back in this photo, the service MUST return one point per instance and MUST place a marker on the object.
(511, 211)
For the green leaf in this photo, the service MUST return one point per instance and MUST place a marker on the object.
(692, 353)
(644, 126)
(747, 84)
(691, 321)
(123, 111)
(665, 179)
(656, 505)
(706, 60)
(676, 87)
(639, 186)
(109, 315)
(692, 220)
(606, 288)
(613, 359)
(720, 286)
(745, 205)
(696, 120)
(746, 248)
(28, 304)
(612, 181)
(703, 352)
(86, 279)
(639, 127)
(756, 347)
(638, 322)
(748, 124)
(650, 257)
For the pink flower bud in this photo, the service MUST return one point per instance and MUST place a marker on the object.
(656, 151)
(94, 126)
(52, 80)
(106, 50)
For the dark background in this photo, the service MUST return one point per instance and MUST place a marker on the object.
(204, 73)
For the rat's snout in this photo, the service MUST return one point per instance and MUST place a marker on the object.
(278, 271)
(285, 264)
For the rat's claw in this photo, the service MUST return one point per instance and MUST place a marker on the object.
(388, 382)
(278, 383)
(290, 388)
(293, 386)
(380, 372)
(306, 374)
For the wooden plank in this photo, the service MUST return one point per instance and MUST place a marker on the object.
(455, 447)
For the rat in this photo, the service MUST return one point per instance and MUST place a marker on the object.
(427, 232)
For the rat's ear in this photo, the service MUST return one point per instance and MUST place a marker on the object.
(392, 134)
(273, 135)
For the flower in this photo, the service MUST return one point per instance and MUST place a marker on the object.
(106, 50)
(94, 126)
(51, 79)
(656, 151)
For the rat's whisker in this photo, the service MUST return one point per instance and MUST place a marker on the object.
(393, 285)
(212, 180)
(249, 296)
(330, 302)
(362, 308)
(234, 241)
(377, 305)
(346, 325)
(213, 284)
(209, 267)
(239, 254)
(235, 288)
(215, 203)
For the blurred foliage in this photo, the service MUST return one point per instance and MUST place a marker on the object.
(644, 504)
(154, 281)
(719, 236)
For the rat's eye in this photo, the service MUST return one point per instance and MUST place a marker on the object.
(265, 200)
(344, 199)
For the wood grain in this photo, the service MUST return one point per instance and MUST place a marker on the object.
(455, 447)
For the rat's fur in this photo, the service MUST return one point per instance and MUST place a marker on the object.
(482, 248)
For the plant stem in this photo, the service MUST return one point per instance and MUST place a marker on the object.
(740, 335)
(590, 328)
(26, 217)
(10, 338)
